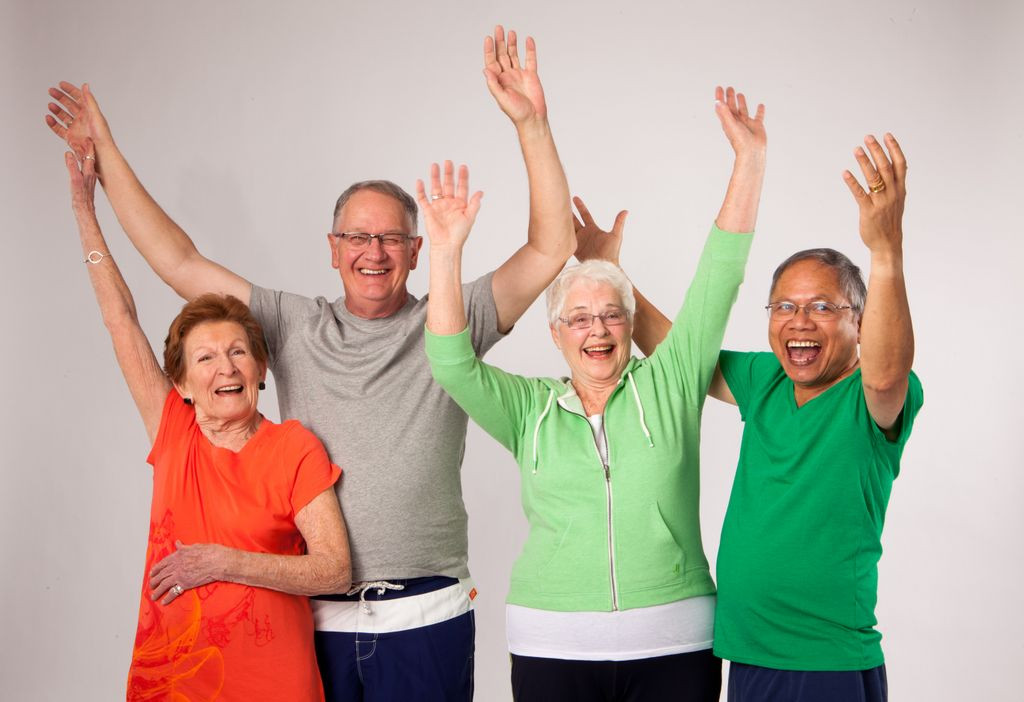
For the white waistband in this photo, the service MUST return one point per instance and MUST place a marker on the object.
(399, 614)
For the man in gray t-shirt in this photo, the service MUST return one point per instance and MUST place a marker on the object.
(354, 371)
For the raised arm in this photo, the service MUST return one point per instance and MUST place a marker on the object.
(448, 216)
(516, 88)
(164, 245)
(325, 568)
(649, 325)
(886, 331)
(146, 381)
(748, 138)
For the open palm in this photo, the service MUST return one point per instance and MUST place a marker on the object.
(515, 86)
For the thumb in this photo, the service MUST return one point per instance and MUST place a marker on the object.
(620, 223)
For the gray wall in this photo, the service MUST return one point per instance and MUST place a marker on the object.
(246, 119)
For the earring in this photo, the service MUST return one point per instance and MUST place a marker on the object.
(262, 385)
(188, 400)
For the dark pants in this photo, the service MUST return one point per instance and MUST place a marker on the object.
(431, 663)
(752, 683)
(687, 677)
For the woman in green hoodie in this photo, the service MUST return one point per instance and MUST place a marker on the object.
(611, 597)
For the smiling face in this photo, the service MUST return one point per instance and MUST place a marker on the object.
(598, 355)
(221, 375)
(374, 276)
(814, 354)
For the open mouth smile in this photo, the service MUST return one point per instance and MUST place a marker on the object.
(802, 353)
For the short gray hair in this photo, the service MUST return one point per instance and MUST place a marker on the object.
(593, 272)
(384, 187)
(851, 282)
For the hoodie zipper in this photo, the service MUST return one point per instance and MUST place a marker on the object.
(608, 507)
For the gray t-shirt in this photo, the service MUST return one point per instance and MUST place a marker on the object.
(364, 387)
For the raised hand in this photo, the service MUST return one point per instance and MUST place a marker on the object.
(450, 212)
(592, 242)
(881, 206)
(746, 133)
(77, 117)
(516, 87)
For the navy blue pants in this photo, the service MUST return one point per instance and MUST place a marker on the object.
(752, 683)
(686, 677)
(432, 663)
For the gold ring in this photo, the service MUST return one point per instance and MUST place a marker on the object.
(877, 186)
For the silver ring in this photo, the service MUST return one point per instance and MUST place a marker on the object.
(88, 158)
(177, 590)
(436, 197)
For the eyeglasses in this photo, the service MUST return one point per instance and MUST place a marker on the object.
(360, 240)
(585, 320)
(818, 310)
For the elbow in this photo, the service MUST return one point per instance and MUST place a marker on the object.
(334, 578)
(887, 384)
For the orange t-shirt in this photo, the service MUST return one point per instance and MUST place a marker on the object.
(225, 641)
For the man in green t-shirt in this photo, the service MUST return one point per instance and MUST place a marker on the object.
(824, 431)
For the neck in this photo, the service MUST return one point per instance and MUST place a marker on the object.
(231, 435)
(376, 309)
(593, 396)
(805, 393)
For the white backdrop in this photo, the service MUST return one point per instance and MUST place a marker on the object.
(246, 120)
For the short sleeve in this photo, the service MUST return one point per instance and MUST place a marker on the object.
(482, 313)
(176, 420)
(738, 370)
(314, 471)
(911, 406)
(277, 312)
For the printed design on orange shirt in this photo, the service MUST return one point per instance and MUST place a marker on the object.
(178, 646)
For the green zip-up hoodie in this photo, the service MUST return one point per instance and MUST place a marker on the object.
(626, 535)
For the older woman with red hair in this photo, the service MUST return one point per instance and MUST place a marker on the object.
(244, 521)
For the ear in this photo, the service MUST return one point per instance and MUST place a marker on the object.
(417, 244)
(183, 391)
(554, 336)
(333, 242)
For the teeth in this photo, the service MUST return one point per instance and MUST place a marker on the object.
(371, 271)
(229, 388)
(802, 344)
(599, 348)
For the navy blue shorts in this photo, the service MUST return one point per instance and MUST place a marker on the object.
(752, 683)
(433, 663)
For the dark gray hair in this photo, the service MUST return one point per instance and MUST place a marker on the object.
(592, 271)
(851, 282)
(384, 187)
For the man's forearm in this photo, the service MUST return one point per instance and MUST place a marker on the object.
(550, 230)
(887, 333)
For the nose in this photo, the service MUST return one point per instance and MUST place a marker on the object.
(598, 327)
(227, 366)
(802, 319)
(374, 250)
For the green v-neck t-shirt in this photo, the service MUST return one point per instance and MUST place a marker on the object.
(798, 560)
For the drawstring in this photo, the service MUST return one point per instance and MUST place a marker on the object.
(380, 585)
(536, 429)
(640, 408)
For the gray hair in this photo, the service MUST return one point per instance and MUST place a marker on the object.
(851, 282)
(384, 187)
(592, 272)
